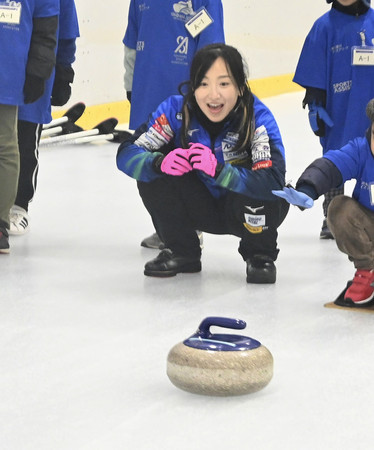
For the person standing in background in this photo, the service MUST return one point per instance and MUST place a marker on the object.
(31, 117)
(160, 42)
(27, 56)
(336, 67)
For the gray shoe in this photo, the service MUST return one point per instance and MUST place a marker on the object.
(325, 231)
(155, 242)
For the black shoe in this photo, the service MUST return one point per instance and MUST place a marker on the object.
(325, 231)
(261, 269)
(167, 264)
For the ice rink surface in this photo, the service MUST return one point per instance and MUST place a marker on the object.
(85, 335)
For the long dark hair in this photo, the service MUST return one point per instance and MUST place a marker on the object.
(201, 63)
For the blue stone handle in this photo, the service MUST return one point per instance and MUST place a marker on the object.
(224, 322)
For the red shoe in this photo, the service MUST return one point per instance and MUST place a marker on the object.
(362, 288)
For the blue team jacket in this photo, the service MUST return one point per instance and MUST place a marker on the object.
(68, 31)
(326, 63)
(253, 172)
(16, 28)
(164, 48)
(355, 161)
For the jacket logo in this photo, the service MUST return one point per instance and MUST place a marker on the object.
(139, 46)
(183, 8)
(182, 45)
(254, 210)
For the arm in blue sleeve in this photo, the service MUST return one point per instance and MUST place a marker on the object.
(66, 52)
(254, 183)
(136, 162)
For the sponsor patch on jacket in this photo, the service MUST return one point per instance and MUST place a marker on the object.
(262, 165)
(182, 10)
(261, 155)
(159, 134)
(163, 126)
(228, 149)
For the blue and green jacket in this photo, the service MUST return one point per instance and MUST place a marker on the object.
(253, 172)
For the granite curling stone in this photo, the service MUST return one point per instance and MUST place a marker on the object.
(220, 364)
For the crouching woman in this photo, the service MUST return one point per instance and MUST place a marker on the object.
(208, 160)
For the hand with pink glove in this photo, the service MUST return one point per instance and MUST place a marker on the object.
(202, 158)
(174, 163)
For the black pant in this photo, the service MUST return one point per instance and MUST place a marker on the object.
(28, 141)
(180, 205)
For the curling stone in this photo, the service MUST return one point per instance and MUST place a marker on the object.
(220, 364)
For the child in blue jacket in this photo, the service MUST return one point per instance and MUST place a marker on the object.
(31, 117)
(351, 219)
(27, 57)
(336, 67)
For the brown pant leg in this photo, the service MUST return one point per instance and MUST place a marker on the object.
(353, 228)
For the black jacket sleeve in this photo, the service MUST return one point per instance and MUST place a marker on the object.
(322, 175)
(42, 57)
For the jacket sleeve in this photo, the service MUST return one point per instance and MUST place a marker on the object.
(136, 155)
(255, 183)
(311, 68)
(136, 161)
(66, 52)
(322, 175)
(68, 32)
(131, 34)
(129, 63)
(268, 167)
(42, 58)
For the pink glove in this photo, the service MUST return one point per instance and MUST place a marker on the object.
(202, 158)
(176, 162)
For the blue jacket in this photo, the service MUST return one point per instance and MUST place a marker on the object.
(17, 28)
(356, 161)
(253, 172)
(326, 63)
(68, 31)
(164, 48)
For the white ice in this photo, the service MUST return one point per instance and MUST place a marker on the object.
(85, 335)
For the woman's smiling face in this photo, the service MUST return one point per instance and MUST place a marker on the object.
(217, 93)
